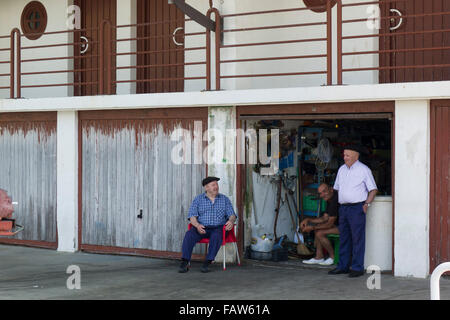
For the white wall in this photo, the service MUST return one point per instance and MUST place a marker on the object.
(379, 234)
(412, 176)
(126, 14)
(193, 41)
(10, 14)
(294, 49)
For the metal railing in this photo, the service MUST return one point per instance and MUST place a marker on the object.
(9, 62)
(294, 46)
(159, 63)
(404, 42)
(102, 69)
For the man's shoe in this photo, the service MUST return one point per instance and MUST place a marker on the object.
(327, 262)
(184, 266)
(337, 271)
(205, 266)
(313, 261)
(355, 274)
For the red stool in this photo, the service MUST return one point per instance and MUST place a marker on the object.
(227, 237)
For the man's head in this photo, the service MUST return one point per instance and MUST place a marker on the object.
(6, 206)
(211, 186)
(325, 191)
(351, 155)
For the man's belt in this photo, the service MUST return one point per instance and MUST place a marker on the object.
(352, 204)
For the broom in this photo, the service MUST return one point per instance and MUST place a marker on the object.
(301, 247)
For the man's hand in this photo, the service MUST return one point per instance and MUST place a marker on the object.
(200, 228)
(365, 207)
(229, 225)
(307, 229)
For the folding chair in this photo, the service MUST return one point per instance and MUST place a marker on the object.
(227, 237)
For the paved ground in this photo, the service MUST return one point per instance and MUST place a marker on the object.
(30, 274)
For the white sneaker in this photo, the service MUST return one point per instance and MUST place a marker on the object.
(327, 262)
(313, 261)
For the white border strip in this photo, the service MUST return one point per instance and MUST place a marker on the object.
(325, 94)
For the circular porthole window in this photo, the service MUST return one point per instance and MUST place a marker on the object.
(33, 20)
(313, 4)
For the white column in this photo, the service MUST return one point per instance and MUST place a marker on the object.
(222, 159)
(412, 176)
(67, 180)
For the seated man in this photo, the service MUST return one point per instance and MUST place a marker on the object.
(208, 213)
(323, 225)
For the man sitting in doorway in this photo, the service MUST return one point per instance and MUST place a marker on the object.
(323, 225)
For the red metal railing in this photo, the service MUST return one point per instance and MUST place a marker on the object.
(100, 75)
(411, 43)
(254, 45)
(9, 62)
(165, 68)
(297, 52)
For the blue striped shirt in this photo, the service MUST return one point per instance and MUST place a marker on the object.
(211, 214)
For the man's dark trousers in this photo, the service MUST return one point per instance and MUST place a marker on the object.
(352, 234)
(192, 237)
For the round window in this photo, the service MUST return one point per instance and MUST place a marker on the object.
(33, 20)
(317, 3)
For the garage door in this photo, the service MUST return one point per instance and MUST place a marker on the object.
(440, 184)
(134, 196)
(28, 173)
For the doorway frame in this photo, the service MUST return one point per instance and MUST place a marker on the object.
(434, 104)
(311, 109)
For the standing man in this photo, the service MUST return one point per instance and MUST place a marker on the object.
(357, 189)
(208, 213)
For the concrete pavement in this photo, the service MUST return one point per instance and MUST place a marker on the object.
(30, 274)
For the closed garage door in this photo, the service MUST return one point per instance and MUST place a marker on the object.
(135, 198)
(28, 173)
(440, 184)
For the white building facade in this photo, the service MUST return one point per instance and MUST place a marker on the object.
(87, 131)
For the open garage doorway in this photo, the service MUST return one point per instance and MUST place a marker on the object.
(310, 153)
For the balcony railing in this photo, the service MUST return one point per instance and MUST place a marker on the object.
(353, 42)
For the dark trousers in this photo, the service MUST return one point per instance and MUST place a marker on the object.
(214, 234)
(352, 234)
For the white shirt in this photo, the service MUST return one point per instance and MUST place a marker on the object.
(354, 183)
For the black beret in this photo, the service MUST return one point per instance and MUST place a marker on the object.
(354, 147)
(208, 180)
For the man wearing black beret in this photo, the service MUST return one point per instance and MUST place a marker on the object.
(357, 189)
(208, 213)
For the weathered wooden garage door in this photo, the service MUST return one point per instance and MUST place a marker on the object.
(28, 173)
(133, 195)
(440, 184)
